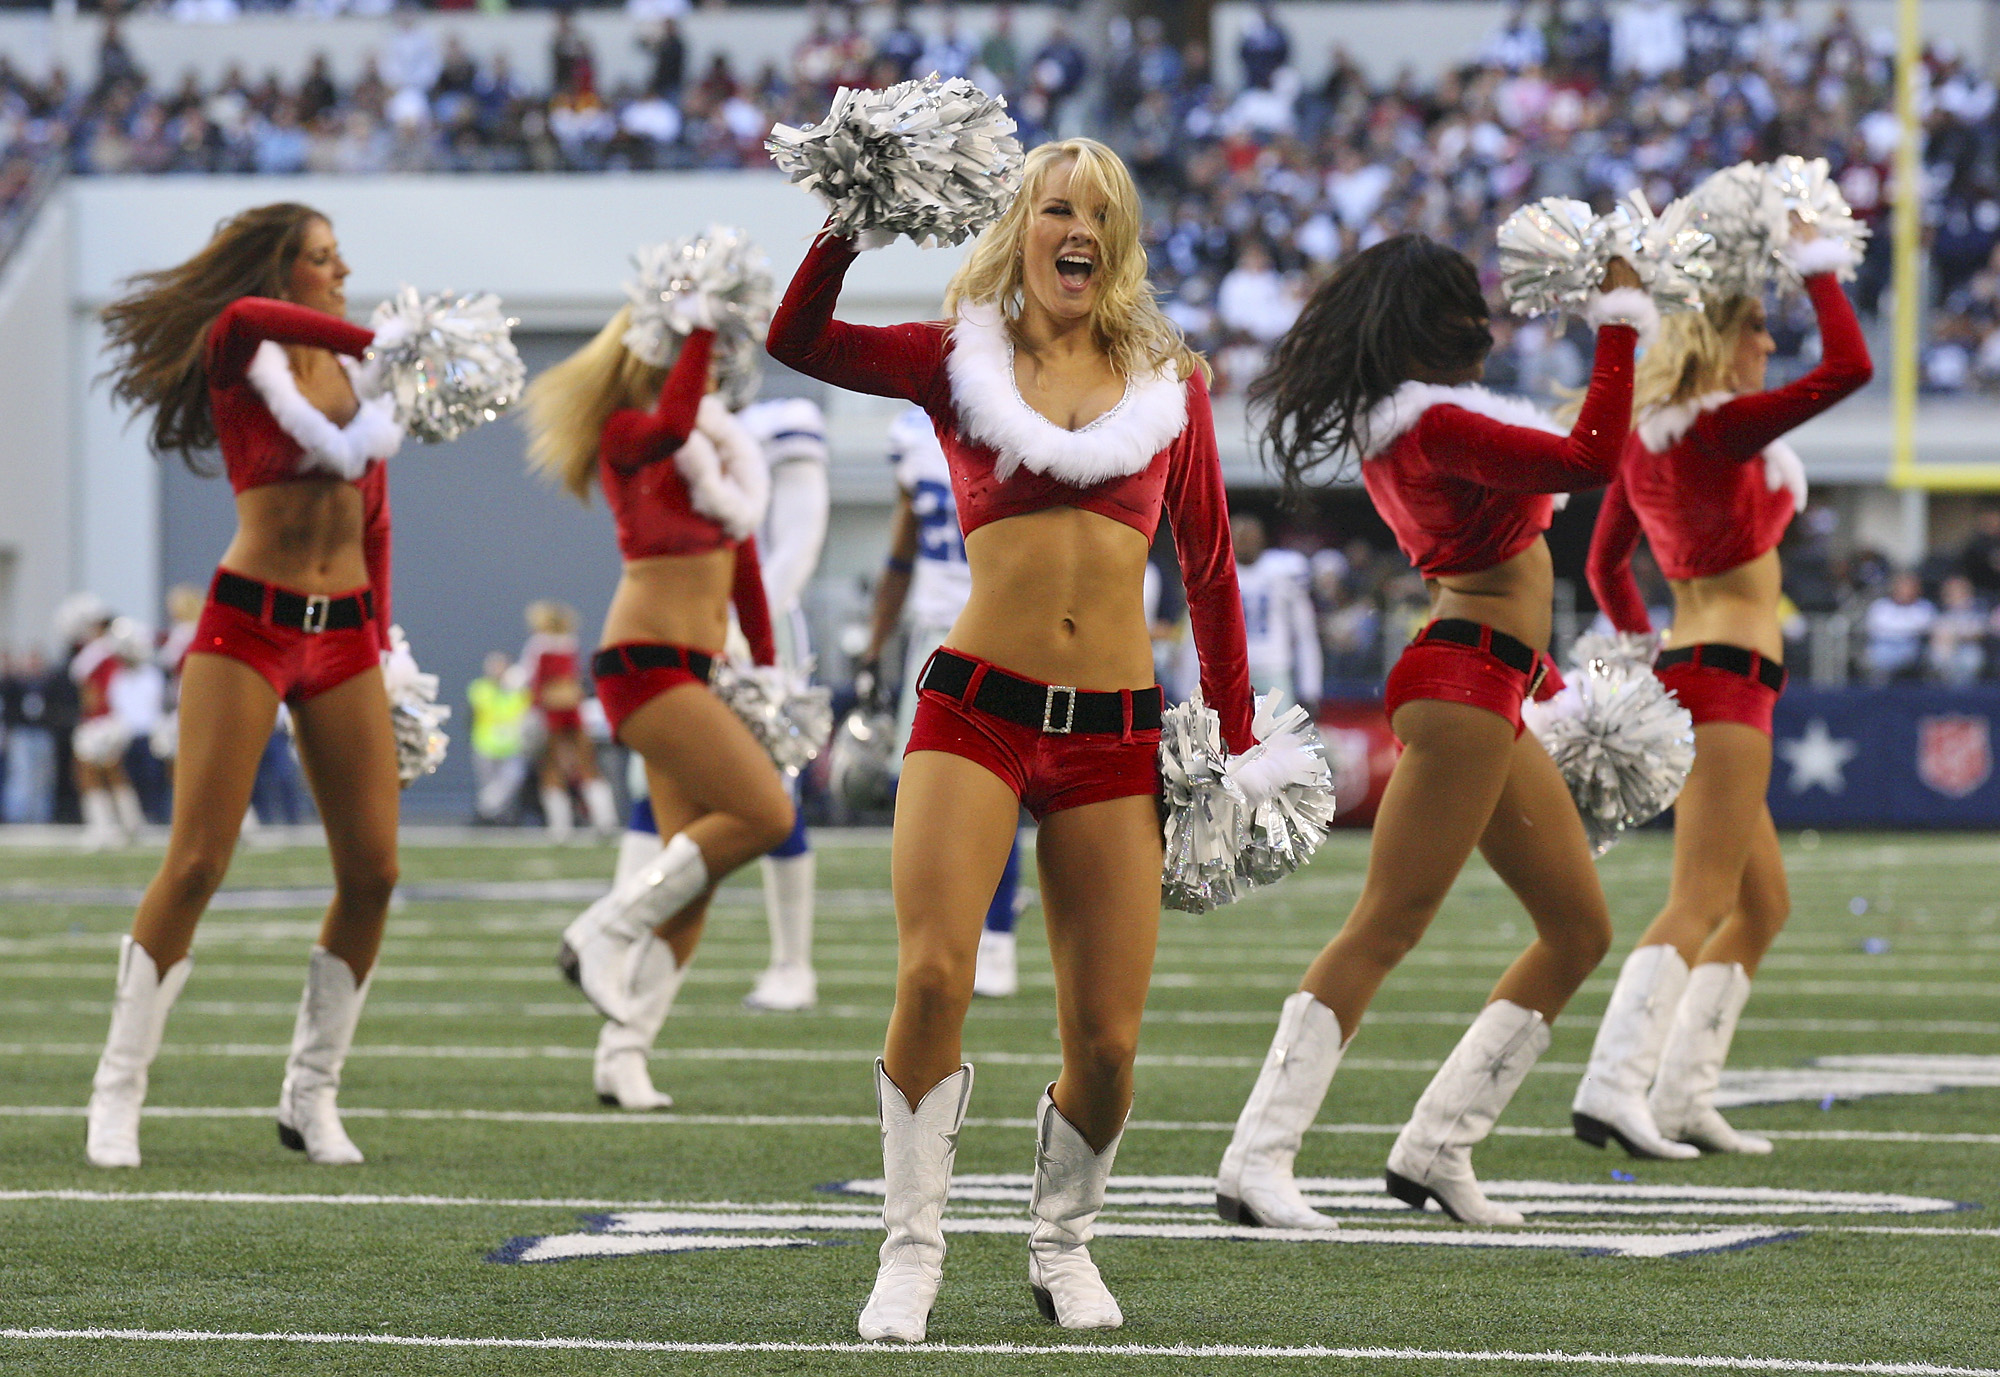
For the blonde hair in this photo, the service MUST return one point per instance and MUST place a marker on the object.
(1128, 325)
(551, 618)
(565, 408)
(1692, 355)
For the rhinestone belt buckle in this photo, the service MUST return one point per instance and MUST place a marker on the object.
(1049, 710)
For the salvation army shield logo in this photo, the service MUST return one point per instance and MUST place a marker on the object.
(1954, 753)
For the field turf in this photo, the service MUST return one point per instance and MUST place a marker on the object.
(741, 1218)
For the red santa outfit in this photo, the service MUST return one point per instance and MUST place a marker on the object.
(551, 658)
(302, 643)
(1688, 481)
(1058, 747)
(710, 497)
(1463, 477)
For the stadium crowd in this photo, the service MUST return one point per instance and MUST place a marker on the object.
(1255, 188)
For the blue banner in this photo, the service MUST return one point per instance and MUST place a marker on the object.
(1902, 756)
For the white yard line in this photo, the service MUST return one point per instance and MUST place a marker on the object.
(1269, 1352)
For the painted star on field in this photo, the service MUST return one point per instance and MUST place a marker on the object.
(1818, 759)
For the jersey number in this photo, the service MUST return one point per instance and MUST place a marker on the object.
(938, 535)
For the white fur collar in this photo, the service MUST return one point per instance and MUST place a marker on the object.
(726, 478)
(1404, 407)
(1117, 444)
(1661, 427)
(343, 450)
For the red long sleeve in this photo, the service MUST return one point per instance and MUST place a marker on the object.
(248, 321)
(753, 609)
(1609, 566)
(375, 541)
(1743, 427)
(632, 438)
(905, 361)
(1509, 458)
(1198, 510)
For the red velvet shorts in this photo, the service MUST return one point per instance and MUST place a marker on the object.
(1451, 673)
(298, 665)
(1048, 772)
(625, 693)
(1716, 695)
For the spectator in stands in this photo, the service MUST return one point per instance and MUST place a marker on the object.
(1957, 650)
(1059, 68)
(1648, 39)
(999, 55)
(1897, 626)
(949, 53)
(411, 60)
(669, 52)
(572, 65)
(1254, 297)
(1517, 43)
(901, 45)
(1264, 47)
(31, 747)
(1979, 558)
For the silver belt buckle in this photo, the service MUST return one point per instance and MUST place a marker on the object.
(317, 607)
(1049, 710)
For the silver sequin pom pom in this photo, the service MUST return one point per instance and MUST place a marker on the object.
(415, 714)
(449, 362)
(1806, 189)
(790, 717)
(1623, 743)
(1615, 648)
(719, 281)
(1673, 255)
(1553, 253)
(935, 160)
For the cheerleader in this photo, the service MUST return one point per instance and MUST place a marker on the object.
(245, 346)
(1707, 479)
(111, 812)
(1072, 414)
(568, 757)
(687, 488)
(1383, 363)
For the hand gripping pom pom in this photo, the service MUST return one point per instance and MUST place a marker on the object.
(935, 160)
(1673, 255)
(1806, 189)
(449, 362)
(717, 281)
(1237, 822)
(1553, 253)
(790, 718)
(1623, 744)
(414, 711)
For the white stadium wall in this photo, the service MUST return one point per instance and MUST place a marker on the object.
(41, 488)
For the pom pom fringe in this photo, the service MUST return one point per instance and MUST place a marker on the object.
(1748, 210)
(718, 280)
(1553, 253)
(935, 160)
(414, 711)
(1623, 743)
(1619, 648)
(1235, 823)
(448, 362)
(790, 717)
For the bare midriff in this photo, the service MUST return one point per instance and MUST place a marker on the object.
(1513, 596)
(1738, 607)
(1058, 595)
(304, 534)
(673, 600)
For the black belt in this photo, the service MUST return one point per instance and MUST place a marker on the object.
(1056, 709)
(310, 613)
(1730, 659)
(1516, 655)
(630, 659)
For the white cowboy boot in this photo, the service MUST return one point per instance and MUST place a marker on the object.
(138, 1022)
(308, 1117)
(1611, 1099)
(558, 814)
(634, 850)
(100, 820)
(788, 983)
(597, 945)
(1070, 1177)
(600, 806)
(620, 1072)
(125, 806)
(918, 1146)
(1432, 1158)
(996, 973)
(1683, 1100)
(1254, 1184)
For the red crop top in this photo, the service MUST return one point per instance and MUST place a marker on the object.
(1155, 450)
(1703, 503)
(652, 502)
(1463, 476)
(258, 449)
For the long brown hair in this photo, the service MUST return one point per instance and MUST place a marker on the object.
(157, 332)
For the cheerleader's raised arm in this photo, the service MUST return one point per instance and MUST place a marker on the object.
(905, 361)
(633, 437)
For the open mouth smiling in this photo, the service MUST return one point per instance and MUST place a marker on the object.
(1075, 270)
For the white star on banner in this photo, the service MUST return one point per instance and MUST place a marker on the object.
(1817, 759)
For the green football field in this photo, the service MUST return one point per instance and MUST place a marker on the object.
(505, 1224)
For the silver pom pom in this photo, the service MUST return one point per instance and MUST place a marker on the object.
(1806, 189)
(1237, 822)
(1742, 210)
(790, 717)
(1615, 648)
(935, 160)
(1623, 743)
(415, 715)
(449, 362)
(1673, 255)
(1552, 256)
(719, 281)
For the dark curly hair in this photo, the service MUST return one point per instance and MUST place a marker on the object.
(1406, 307)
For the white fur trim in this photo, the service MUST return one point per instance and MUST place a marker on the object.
(1813, 256)
(991, 411)
(1783, 469)
(726, 478)
(1662, 427)
(342, 450)
(1404, 407)
(1280, 759)
(1624, 306)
